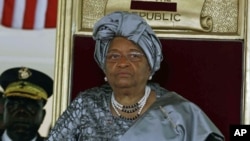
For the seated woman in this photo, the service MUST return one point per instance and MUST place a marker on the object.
(128, 107)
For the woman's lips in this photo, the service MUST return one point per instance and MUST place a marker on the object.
(123, 74)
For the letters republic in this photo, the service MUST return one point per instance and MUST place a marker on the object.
(157, 16)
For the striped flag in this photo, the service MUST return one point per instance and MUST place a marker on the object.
(28, 14)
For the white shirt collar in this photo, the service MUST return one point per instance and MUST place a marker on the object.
(5, 137)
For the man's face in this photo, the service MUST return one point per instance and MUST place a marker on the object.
(23, 116)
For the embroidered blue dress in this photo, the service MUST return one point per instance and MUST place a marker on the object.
(170, 118)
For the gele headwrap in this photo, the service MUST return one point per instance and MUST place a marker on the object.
(132, 27)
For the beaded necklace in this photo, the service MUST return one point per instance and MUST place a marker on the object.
(138, 106)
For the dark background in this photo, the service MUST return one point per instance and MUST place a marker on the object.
(207, 72)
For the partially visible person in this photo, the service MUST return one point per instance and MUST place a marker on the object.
(26, 91)
(130, 107)
(1, 112)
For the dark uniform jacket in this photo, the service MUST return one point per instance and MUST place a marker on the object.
(39, 137)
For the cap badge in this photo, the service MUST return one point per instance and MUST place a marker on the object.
(24, 73)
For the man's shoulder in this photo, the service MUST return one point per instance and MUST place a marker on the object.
(39, 137)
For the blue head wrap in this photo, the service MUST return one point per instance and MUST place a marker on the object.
(132, 27)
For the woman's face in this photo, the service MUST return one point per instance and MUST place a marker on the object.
(126, 65)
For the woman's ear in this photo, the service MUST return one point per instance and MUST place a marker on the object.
(105, 76)
(149, 73)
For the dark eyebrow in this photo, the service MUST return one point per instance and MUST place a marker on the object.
(137, 50)
(113, 50)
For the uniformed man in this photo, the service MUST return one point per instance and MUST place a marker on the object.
(26, 91)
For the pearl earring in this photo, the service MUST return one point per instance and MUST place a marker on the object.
(105, 79)
(150, 77)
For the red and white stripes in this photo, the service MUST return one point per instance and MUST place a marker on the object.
(28, 14)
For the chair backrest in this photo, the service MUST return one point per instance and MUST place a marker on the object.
(208, 73)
